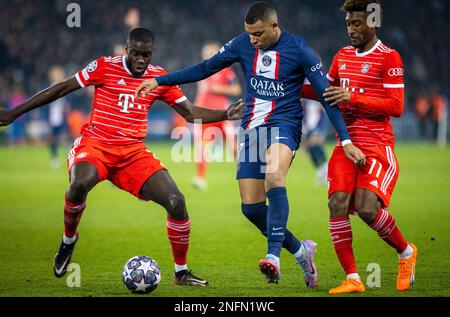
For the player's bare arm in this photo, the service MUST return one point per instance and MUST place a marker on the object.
(391, 105)
(146, 87)
(42, 98)
(191, 112)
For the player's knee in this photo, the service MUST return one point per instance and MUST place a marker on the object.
(176, 205)
(253, 211)
(338, 207)
(367, 209)
(368, 213)
(274, 180)
(80, 187)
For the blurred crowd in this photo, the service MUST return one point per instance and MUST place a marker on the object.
(35, 38)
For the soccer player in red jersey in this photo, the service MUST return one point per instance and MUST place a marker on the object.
(214, 91)
(111, 146)
(369, 88)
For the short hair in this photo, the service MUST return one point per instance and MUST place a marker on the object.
(357, 5)
(259, 11)
(141, 35)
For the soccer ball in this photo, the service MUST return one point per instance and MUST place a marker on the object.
(141, 274)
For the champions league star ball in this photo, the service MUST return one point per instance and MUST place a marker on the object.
(141, 274)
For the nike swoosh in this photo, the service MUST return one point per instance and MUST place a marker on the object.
(62, 267)
(265, 72)
(277, 229)
(281, 138)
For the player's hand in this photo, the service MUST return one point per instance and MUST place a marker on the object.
(335, 95)
(146, 87)
(6, 117)
(354, 154)
(236, 110)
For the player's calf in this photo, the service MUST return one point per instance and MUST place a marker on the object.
(83, 177)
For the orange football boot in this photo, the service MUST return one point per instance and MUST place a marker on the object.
(349, 286)
(407, 271)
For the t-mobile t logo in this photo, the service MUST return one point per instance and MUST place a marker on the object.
(345, 83)
(125, 102)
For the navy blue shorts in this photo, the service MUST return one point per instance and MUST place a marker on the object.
(254, 143)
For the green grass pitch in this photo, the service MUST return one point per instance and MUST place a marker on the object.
(225, 248)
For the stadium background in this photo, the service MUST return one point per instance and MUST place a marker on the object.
(34, 36)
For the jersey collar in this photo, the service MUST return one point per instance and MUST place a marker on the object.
(369, 51)
(124, 61)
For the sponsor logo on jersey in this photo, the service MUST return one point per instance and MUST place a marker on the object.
(126, 102)
(345, 83)
(365, 68)
(396, 72)
(267, 88)
(316, 67)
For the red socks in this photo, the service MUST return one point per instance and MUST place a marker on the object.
(201, 169)
(179, 233)
(341, 235)
(72, 216)
(387, 229)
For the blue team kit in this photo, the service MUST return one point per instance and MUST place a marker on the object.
(273, 111)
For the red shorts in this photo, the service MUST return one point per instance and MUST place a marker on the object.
(379, 175)
(126, 166)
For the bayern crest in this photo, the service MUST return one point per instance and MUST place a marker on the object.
(267, 61)
(365, 68)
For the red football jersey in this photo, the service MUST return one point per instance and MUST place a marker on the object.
(117, 118)
(375, 79)
(206, 98)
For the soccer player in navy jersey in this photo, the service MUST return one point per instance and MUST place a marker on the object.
(275, 64)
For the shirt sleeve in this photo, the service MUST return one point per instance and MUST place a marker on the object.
(172, 95)
(93, 74)
(314, 72)
(393, 76)
(227, 55)
(332, 76)
(393, 103)
(333, 73)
